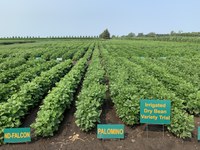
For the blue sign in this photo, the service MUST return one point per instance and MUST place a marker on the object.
(155, 111)
(110, 131)
(17, 135)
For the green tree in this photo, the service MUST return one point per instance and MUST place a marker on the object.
(131, 35)
(105, 34)
(140, 34)
(172, 32)
(151, 34)
(113, 36)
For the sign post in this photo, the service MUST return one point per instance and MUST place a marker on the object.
(17, 135)
(198, 133)
(155, 112)
(110, 131)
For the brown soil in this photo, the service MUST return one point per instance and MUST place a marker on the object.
(69, 137)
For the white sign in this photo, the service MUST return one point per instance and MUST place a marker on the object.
(59, 59)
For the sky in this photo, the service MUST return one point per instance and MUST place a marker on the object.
(90, 17)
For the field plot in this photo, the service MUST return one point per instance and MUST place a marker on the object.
(63, 88)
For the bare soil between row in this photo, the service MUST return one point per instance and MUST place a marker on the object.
(69, 137)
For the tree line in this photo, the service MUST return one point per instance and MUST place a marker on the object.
(106, 35)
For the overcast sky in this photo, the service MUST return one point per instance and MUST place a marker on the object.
(91, 17)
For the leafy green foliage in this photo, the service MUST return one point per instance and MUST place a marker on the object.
(92, 95)
(6, 90)
(30, 94)
(11, 64)
(182, 124)
(79, 54)
(183, 89)
(122, 93)
(130, 77)
(51, 112)
(135, 68)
